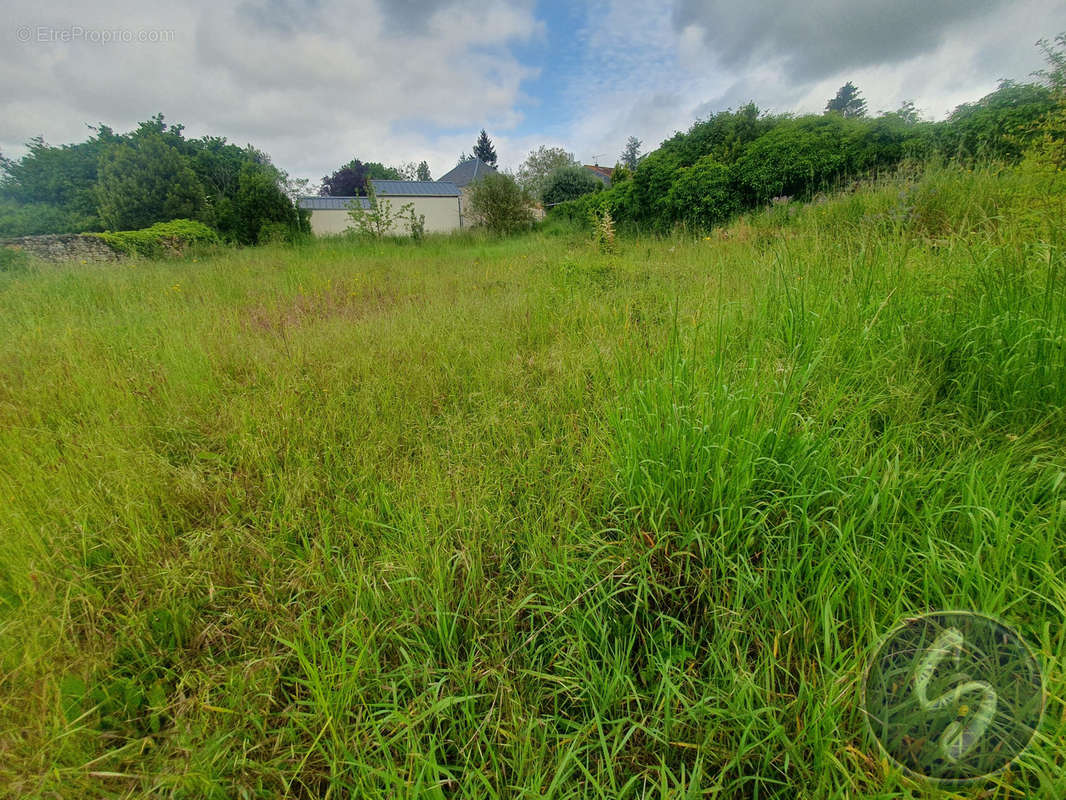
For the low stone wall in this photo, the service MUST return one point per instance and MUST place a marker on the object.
(64, 247)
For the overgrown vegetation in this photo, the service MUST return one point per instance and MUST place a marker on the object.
(153, 174)
(517, 518)
(498, 203)
(743, 159)
(162, 239)
(379, 219)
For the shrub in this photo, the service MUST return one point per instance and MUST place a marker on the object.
(33, 219)
(500, 204)
(379, 219)
(569, 183)
(161, 239)
(260, 202)
(704, 194)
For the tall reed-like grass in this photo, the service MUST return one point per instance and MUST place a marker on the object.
(519, 518)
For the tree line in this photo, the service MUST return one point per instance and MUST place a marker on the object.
(742, 159)
(129, 181)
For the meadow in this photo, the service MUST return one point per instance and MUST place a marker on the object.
(520, 518)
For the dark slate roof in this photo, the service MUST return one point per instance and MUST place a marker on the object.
(332, 203)
(468, 171)
(415, 188)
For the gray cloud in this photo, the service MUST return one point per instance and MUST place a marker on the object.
(312, 82)
(822, 37)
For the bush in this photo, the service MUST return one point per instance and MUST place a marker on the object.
(500, 204)
(34, 219)
(260, 202)
(569, 183)
(704, 194)
(161, 239)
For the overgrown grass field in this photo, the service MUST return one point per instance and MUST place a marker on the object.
(518, 518)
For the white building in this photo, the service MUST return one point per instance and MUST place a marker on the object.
(438, 201)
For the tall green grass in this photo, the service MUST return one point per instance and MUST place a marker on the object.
(514, 518)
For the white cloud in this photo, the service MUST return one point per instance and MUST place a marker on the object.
(317, 82)
(313, 83)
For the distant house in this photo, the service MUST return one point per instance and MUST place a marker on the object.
(464, 175)
(603, 173)
(468, 172)
(438, 201)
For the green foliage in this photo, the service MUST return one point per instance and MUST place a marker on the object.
(506, 517)
(796, 158)
(848, 102)
(999, 126)
(603, 235)
(261, 202)
(620, 174)
(569, 183)
(147, 181)
(1054, 76)
(131, 180)
(162, 239)
(484, 150)
(422, 172)
(61, 178)
(704, 195)
(32, 219)
(380, 220)
(631, 154)
(539, 164)
(13, 260)
(498, 203)
(416, 223)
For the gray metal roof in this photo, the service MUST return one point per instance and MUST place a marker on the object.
(332, 203)
(415, 188)
(470, 170)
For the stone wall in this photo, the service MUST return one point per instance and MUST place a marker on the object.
(64, 247)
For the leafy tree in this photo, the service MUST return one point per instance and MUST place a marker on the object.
(499, 203)
(1000, 125)
(463, 158)
(58, 181)
(569, 183)
(908, 113)
(539, 164)
(407, 170)
(704, 194)
(261, 205)
(423, 172)
(147, 181)
(631, 154)
(797, 158)
(484, 150)
(351, 179)
(848, 102)
(151, 174)
(1054, 77)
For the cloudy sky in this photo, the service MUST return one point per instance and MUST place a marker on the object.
(318, 82)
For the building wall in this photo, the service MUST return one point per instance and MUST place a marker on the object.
(442, 215)
(328, 222)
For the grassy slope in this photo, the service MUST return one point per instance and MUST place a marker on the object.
(519, 519)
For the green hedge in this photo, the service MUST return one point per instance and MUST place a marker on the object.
(162, 239)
